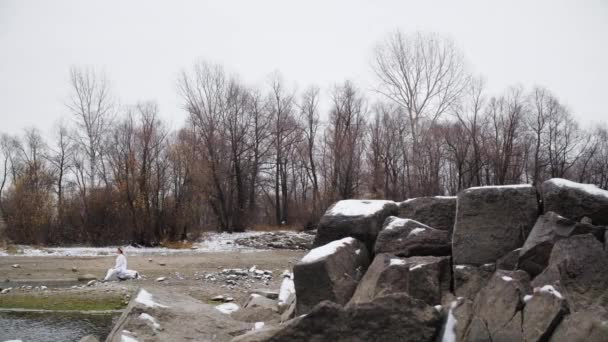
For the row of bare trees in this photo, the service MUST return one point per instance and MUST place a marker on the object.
(269, 155)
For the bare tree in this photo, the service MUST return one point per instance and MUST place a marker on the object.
(93, 109)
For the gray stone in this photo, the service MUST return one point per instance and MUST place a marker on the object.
(426, 278)
(406, 237)
(329, 272)
(498, 303)
(578, 268)
(179, 317)
(542, 313)
(469, 279)
(438, 212)
(575, 201)
(583, 326)
(256, 300)
(550, 227)
(508, 261)
(361, 219)
(396, 317)
(492, 221)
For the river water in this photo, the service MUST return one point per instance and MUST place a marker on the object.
(54, 326)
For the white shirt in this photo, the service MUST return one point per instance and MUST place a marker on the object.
(121, 263)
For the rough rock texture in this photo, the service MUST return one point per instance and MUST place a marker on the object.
(425, 278)
(363, 225)
(260, 335)
(497, 306)
(508, 261)
(396, 317)
(179, 318)
(578, 268)
(258, 309)
(575, 200)
(406, 237)
(463, 313)
(438, 212)
(89, 338)
(542, 313)
(329, 272)
(492, 221)
(583, 326)
(468, 279)
(549, 228)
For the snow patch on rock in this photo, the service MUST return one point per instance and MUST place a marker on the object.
(227, 308)
(357, 207)
(591, 189)
(322, 252)
(144, 297)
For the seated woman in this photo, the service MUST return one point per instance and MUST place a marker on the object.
(120, 270)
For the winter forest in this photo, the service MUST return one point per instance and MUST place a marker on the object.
(254, 157)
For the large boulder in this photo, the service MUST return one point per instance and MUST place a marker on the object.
(543, 312)
(575, 200)
(492, 221)
(583, 326)
(438, 211)
(425, 277)
(470, 279)
(329, 272)
(550, 227)
(497, 307)
(578, 268)
(406, 237)
(161, 315)
(396, 317)
(361, 219)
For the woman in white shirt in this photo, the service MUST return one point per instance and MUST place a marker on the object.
(120, 269)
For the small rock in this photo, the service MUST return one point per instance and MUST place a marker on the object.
(5, 291)
(162, 264)
(150, 260)
(86, 277)
(161, 278)
(74, 269)
(16, 266)
(91, 282)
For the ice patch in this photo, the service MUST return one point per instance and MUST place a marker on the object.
(144, 297)
(357, 207)
(527, 298)
(551, 290)
(449, 333)
(396, 222)
(258, 325)
(145, 317)
(438, 307)
(321, 252)
(396, 261)
(461, 267)
(415, 267)
(591, 189)
(416, 231)
(358, 251)
(287, 288)
(228, 308)
(127, 338)
(507, 278)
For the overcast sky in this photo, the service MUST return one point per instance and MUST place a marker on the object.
(143, 45)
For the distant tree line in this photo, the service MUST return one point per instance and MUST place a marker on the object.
(268, 156)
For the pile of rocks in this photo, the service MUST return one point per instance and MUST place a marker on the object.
(233, 277)
(279, 240)
(492, 264)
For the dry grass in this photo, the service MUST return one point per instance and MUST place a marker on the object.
(177, 244)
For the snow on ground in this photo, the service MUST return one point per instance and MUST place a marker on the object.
(228, 308)
(395, 261)
(325, 250)
(591, 189)
(144, 297)
(213, 242)
(449, 334)
(357, 207)
(145, 317)
(287, 288)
